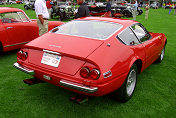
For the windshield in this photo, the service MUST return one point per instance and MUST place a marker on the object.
(90, 29)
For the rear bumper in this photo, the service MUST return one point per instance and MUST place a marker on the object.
(63, 83)
(73, 84)
(78, 87)
(24, 69)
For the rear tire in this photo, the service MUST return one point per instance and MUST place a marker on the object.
(1, 48)
(160, 58)
(126, 91)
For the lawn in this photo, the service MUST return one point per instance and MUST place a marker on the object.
(155, 94)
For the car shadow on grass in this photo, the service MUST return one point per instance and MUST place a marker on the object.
(8, 54)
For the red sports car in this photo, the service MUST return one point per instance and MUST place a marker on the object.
(16, 28)
(93, 56)
(19, 2)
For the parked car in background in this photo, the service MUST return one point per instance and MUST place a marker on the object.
(63, 10)
(19, 2)
(155, 5)
(1, 2)
(93, 56)
(12, 1)
(125, 9)
(29, 5)
(17, 29)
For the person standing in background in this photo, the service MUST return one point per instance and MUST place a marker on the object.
(49, 6)
(134, 12)
(83, 10)
(170, 8)
(147, 10)
(108, 9)
(42, 16)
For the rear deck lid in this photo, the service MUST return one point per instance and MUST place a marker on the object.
(71, 50)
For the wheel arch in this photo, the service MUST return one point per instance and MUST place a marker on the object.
(138, 63)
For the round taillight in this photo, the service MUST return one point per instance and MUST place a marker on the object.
(19, 54)
(94, 74)
(84, 72)
(24, 56)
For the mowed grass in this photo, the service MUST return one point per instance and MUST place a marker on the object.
(155, 94)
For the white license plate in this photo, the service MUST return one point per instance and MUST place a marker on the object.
(51, 59)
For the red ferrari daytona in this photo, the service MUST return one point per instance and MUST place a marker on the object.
(93, 56)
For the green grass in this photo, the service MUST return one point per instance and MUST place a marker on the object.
(155, 94)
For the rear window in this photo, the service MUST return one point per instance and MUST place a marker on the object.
(90, 29)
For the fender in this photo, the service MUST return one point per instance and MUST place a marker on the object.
(133, 60)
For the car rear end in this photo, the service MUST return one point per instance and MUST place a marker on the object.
(62, 60)
(61, 67)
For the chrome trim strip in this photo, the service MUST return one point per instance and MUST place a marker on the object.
(16, 44)
(9, 28)
(48, 51)
(78, 87)
(109, 72)
(23, 69)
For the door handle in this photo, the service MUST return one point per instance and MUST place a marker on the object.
(9, 27)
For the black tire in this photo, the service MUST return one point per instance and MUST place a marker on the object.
(1, 48)
(126, 91)
(127, 13)
(161, 57)
(52, 16)
(26, 7)
(61, 16)
(140, 12)
(52, 12)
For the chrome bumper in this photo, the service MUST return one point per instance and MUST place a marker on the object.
(78, 87)
(24, 69)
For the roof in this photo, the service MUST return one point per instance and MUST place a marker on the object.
(8, 9)
(124, 22)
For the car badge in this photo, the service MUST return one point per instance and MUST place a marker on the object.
(107, 74)
(55, 46)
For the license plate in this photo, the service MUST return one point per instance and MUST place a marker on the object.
(51, 59)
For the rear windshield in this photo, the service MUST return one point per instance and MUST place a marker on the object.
(90, 29)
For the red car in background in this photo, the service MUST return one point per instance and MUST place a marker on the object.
(16, 29)
(93, 56)
(19, 2)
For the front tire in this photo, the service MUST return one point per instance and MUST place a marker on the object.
(126, 91)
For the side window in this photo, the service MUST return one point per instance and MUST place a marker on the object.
(23, 17)
(140, 32)
(127, 37)
(13, 17)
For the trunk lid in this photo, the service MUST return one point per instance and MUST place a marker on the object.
(73, 50)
